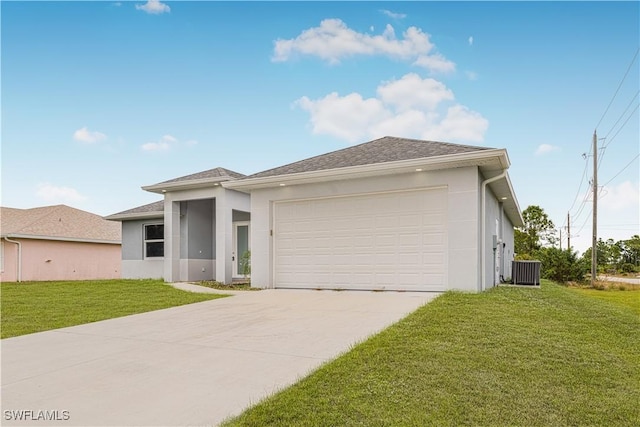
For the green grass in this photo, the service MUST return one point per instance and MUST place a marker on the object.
(506, 357)
(629, 298)
(29, 307)
(230, 287)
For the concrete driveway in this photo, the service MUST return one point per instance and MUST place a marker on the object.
(191, 365)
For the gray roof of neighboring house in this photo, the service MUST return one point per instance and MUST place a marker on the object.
(148, 208)
(58, 222)
(382, 150)
(211, 173)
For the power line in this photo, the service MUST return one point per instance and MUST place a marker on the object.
(618, 89)
(623, 125)
(622, 170)
(621, 115)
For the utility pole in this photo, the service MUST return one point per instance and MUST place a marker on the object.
(594, 241)
(568, 231)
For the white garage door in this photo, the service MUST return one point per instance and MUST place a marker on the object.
(385, 241)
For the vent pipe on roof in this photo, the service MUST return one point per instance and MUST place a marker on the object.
(483, 249)
(19, 272)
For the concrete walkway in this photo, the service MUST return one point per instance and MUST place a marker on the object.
(631, 280)
(188, 365)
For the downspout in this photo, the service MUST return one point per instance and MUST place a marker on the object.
(19, 256)
(484, 225)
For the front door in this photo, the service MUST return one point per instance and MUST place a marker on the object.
(240, 249)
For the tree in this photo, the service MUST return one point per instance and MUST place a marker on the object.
(561, 265)
(631, 250)
(538, 231)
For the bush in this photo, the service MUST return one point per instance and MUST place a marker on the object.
(628, 268)
(560, 265)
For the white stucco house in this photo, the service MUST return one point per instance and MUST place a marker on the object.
(195, 233)
(389, 214)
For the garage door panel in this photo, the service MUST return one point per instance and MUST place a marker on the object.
(372, 241)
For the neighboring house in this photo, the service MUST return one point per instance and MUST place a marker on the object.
(198, 232)
(57, 243)
(390, 214)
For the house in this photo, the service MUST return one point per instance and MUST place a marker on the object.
(389, 214)
(199, 231)
(57, 243)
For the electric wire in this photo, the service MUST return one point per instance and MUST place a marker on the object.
(621, 115)
(622, 170)
(619, 86)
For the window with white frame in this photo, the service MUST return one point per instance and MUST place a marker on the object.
(1, 256)
(154, 240)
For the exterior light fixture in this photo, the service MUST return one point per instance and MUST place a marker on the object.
(282, 185)
(418, 169)
(503, 198)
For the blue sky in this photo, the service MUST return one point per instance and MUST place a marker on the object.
(101, 98)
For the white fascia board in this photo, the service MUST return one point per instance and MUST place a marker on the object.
(135, 215)
(61, 239)
(185, 185)
(362, 171)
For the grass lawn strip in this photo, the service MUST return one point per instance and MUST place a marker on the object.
(30, 307)
(509, 356)
(630, 299)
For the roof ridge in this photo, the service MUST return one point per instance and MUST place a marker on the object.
(46, 211)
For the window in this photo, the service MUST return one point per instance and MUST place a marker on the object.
(1, 256)
(154, 240)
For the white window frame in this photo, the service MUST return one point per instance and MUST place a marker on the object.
(145, 241)
(1, 256)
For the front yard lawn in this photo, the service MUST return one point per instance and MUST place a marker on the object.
(628, 298)
(506, 357)
(29, 307)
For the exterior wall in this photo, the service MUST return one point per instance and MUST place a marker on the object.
(462, 222)
(58, 260)
(504, 250)
(509, 248)
(9, 267)
(134, 266)
(142, 269)
(223, 202)
(492, 214)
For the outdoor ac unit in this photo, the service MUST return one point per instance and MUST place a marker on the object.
(525, 272)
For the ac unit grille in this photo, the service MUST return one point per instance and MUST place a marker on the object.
(525, 272)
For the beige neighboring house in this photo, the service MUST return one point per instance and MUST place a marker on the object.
(57, 243)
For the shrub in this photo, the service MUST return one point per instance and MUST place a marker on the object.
(561, 265)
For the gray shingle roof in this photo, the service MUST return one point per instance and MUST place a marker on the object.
(151, 207)
(59, 221)
(386, 149)
(211, 173)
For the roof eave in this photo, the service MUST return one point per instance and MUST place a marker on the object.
(135, 215)
(476, 158)
(61, 239)
(186, 185)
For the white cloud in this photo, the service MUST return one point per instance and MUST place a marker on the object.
(155, 146)
(471, 75)
(470, 40)
(51, 193)
(413, 91)
(154, 7)
(393, 15)
(409, 107)
(166, 143)
(85, 135)
(436, 63)
(169, 138)
(347, 117)
(623, 196)
(545, 149)
(333, 41)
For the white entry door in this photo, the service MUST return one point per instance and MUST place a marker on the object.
(377, 241)
(241, 241)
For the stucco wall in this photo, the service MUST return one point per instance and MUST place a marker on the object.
(57, 260)
(462, 223)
